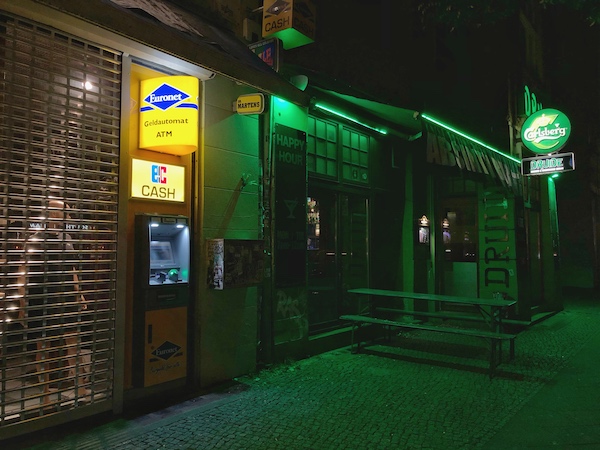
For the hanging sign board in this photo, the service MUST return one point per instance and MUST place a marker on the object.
(268, 51)
(157, 181)
(546, 131)
(250, 104)
(169, 114)
(292, 21)
(543, 165)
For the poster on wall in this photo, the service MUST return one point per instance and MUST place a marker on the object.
(234, 263)
(289, 154)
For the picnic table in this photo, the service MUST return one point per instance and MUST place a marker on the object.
(491, 310)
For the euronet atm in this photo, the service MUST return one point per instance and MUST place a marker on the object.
(161, 298)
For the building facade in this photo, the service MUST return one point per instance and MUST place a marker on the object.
(197, 262)
(108, 237)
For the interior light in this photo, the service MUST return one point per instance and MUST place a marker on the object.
(88, 85)
(154, 225)
(179, 225)
(351, 119)
(470, 138)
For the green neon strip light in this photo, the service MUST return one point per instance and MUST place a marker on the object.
(460, 133)
(351, 119)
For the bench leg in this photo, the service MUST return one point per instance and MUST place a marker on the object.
(355, 328)
(352, 339)
(493, 344)
(493, 351)
(498, 344)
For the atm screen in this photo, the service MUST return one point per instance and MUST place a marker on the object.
(161, 254)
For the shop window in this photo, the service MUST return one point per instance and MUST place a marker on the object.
(314, 224)
(459, 186)
(355, 156)
(59, 166)
(459, 230)
(340, 158)
(322, 143)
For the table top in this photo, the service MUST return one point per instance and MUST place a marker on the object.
(435, 297)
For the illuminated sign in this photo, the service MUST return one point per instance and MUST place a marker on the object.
(169, 114)
(543, 165)
(250, 104)
(268, 51)
(546, 131)
(531, 103)
(292, 21)
(157, 181)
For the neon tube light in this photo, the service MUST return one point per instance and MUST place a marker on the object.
(351, 119)
(472, 139)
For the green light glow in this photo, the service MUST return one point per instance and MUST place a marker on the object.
(472, 139)
(292, 38)
(556, 175)
(351, 119)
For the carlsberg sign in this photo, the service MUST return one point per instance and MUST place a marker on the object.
(546, 131)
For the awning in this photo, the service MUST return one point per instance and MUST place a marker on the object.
(393, 120)
(447, 146)
(331, 96)
(165, 26)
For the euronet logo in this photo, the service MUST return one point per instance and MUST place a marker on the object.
(165, 97)
(166, 350)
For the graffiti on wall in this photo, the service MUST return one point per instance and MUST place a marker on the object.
(291, 317)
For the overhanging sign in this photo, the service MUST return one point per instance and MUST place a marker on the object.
(250, 104)
(169, 114)
(546, 131)
(268, 51)
(292, 21)
(544, 165)
(157, 181)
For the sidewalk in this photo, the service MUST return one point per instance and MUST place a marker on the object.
(565, 413)
(416, 394)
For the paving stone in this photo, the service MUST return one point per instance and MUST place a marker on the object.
(416, 392)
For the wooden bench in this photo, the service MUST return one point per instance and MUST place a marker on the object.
(495, 334)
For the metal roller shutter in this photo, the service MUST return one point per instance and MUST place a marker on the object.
(59, 161)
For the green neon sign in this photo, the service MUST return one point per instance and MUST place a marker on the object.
(546, 131)
(347, 117)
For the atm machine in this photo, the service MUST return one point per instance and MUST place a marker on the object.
(161, 299)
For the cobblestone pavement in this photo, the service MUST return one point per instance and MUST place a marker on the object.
(415, 393)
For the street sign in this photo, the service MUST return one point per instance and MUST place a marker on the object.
(549, 164)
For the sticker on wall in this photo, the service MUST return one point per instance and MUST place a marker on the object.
(169, 114)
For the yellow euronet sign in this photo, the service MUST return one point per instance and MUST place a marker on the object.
(169, 114)
(157, 181)
(250, 104)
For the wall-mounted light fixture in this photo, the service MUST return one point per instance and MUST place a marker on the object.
(424, 233)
